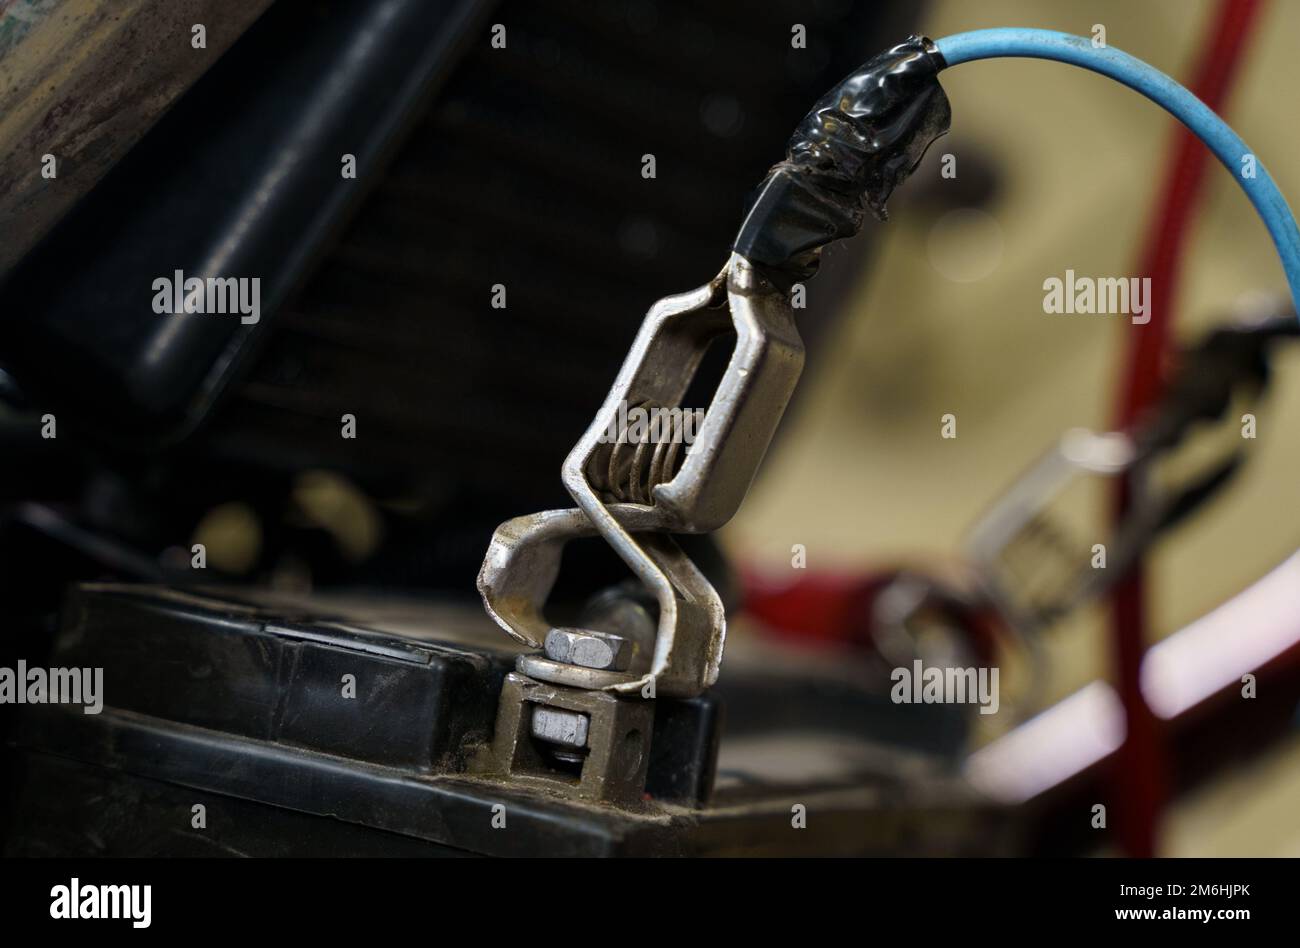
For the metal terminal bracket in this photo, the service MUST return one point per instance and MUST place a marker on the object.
(591, 744)
(635, 494)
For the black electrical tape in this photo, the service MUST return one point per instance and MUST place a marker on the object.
(861, 140)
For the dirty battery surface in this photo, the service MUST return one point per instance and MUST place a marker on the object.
(234, 725)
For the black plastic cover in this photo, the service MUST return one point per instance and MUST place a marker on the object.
(860, 141)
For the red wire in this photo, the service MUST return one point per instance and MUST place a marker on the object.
(1140, 778)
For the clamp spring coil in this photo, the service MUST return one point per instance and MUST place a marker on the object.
(629, 467)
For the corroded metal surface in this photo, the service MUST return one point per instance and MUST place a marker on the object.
(82, 80)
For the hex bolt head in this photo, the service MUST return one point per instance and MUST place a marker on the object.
(560, 727)
(589, 649)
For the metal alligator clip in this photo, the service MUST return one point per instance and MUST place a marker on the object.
(1030, 566)
(637, 491)
(574, 717)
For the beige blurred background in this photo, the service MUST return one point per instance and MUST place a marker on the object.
(949, 318)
